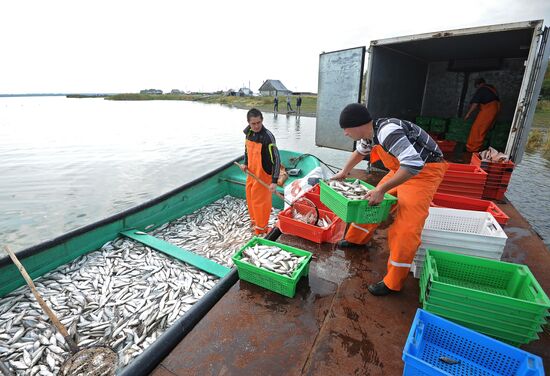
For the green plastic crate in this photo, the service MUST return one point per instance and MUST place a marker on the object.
(499, 283)
(466, 306)
(501, 334)
(357, 211)
(267, 279)
(438, 125)
(423, 122)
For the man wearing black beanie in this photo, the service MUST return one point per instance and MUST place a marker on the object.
(416, 168)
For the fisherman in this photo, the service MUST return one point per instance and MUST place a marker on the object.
(416, 168)
(261, 158)
(486, 98)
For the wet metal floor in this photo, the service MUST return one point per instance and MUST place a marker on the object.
(333, 326)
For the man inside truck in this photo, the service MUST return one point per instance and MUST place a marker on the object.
(486, 99)
(416, 167)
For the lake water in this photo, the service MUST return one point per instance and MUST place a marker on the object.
(65, 163)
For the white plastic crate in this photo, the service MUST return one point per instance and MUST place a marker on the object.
(462, 231)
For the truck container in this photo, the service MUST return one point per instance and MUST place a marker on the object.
(432, 75)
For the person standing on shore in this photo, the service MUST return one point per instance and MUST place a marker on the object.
(298, 104)
(261, 157)
(275, 104)
(288, 105)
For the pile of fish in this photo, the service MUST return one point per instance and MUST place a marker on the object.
(309, 218)
(124, 295)
(272, 258)
(217, 231)
(351, 191)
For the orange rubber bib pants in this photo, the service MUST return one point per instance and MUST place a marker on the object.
(414, 198)
(258, 197)
(482, 125)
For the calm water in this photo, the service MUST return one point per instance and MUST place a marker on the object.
(65, 163)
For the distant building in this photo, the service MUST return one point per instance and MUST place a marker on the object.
(273, 87)
(244, 92)
(176, 91)
(230, 93)
(151, 91)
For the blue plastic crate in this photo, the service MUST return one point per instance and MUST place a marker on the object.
(433, 338)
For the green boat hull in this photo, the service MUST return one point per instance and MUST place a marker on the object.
(226, 180)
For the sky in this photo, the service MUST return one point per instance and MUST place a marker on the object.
(121, 46)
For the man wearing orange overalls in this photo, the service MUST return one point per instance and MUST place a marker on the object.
(416, 168)
(486, 98)
(261, 157)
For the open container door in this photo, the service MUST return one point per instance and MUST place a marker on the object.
(340, 80)
(527, 100)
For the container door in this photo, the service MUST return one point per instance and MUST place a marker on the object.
(527, 102)
(340, 79)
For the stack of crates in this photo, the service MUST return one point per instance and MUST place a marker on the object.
(465, 232)
(467, 203)
(499, 299)
(438, 125)
(423, 122)
(463, 180)
(458, 130)
(436, 346)
(498, 176)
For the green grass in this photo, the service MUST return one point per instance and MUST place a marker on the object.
(542, 114)
(264, 104)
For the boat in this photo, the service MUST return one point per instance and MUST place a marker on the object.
(331, 326)
(225, 180)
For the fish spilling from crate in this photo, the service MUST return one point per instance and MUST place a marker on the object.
(350, 190)
(124, 295)
(272, 258)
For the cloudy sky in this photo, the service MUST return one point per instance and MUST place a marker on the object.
(125, 46)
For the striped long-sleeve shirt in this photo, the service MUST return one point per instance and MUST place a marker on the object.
(406, 141)
(271, 161)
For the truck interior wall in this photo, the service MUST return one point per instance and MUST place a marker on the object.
(444, 88)
(398, 81)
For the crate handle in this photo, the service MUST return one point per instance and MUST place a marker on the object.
(418, 333)
(534, 290)
(492, 227)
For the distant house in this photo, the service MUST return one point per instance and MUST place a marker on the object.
(176, 91)
(244, 92)
(151, 91)
(273, 87)
(230, 93)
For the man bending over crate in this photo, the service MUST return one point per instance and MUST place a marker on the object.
(416, 168)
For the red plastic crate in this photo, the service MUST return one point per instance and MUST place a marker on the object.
(316, 199)
(446, 146)
(467, 203)
(291, 226)
(466, 172)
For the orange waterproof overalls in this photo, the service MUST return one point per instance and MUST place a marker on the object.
(258, 197)
(414, 198)
(484, 122)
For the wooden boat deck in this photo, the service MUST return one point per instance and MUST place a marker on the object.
(333, 326)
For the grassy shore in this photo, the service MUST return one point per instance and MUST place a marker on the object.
(264, 104)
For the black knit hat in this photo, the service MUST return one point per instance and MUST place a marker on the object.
(354, 115)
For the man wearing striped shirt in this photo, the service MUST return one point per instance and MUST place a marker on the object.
(416, 169)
